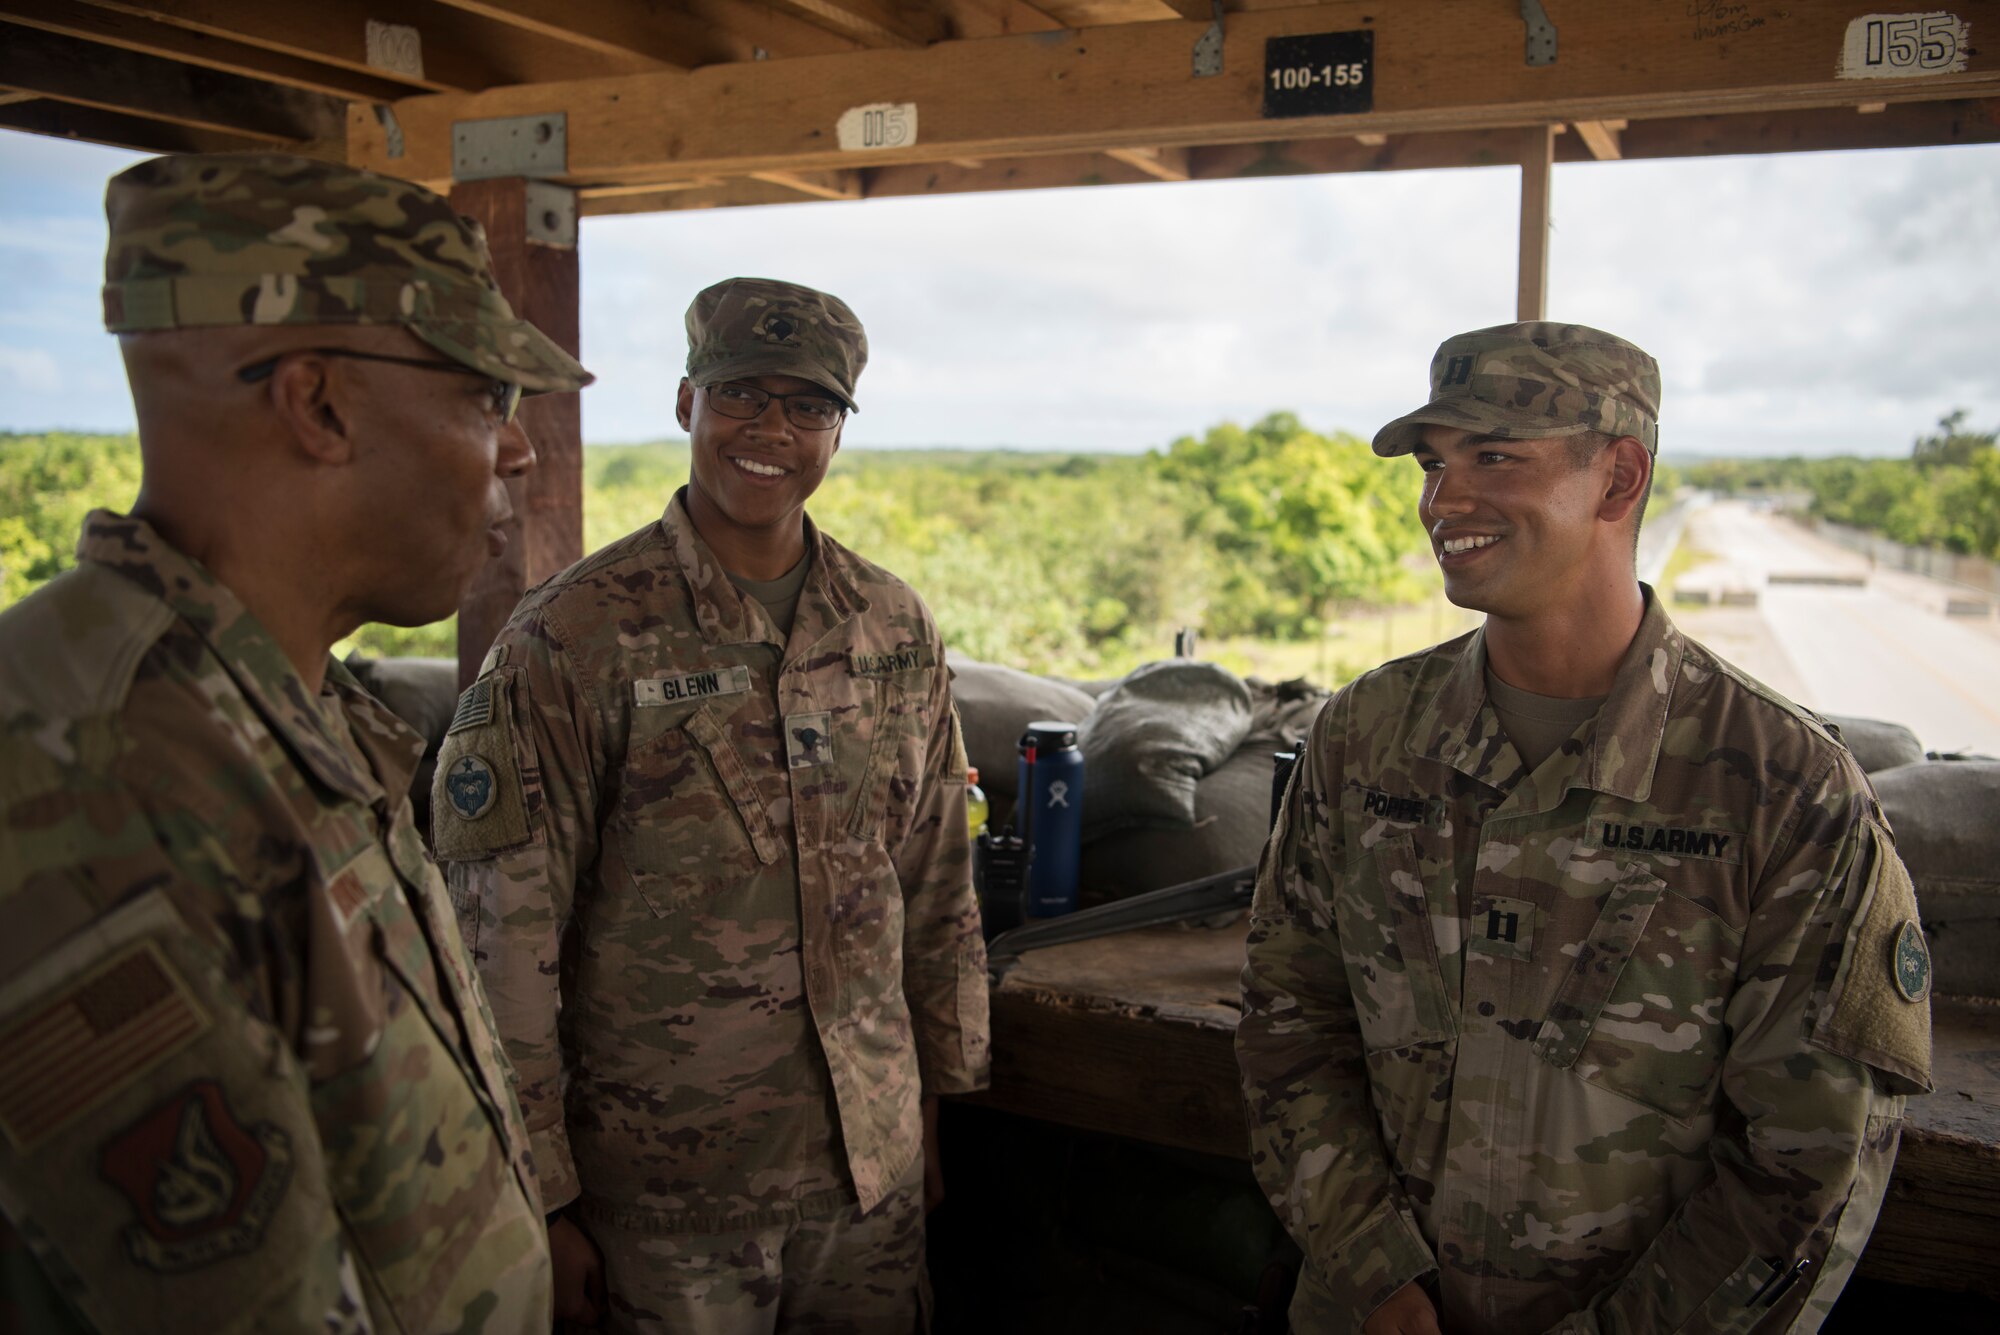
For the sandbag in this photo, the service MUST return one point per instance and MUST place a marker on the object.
(995, 706)
(1876, 744)
(1152, 737)
(1946, 817)
(422, 692)
(1232, 810)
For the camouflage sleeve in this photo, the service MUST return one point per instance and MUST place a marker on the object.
(1313, 1139)
(1826, 1044)
(512, 856)
(944, 956)
(161, 1158)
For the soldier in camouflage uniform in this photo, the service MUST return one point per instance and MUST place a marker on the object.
(704, 814)
(1585, 988)
(247, 1080)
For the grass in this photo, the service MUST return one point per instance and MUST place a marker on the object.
(1350, 646)
(1685, 558)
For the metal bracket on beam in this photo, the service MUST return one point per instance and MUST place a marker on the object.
(1541, 33)
(510, 146)
(551, 214)
(1208, 48)
(392, 129)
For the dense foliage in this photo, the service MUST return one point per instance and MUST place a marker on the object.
(1059, 562)
(1945, 494)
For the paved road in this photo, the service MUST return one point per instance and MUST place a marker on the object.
(1884, 649)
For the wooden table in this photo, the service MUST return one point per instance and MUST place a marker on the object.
(1131, 1035)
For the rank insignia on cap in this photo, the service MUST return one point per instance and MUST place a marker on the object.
(1912, 962)
(203, 1185)
(809, 740)
(471, 787)
(778, 328)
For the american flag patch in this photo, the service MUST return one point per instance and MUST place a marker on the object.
(475, 708)
(121, 1020)
(349, 894)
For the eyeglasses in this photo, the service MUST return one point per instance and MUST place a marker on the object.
(506, 394)
(746, 403)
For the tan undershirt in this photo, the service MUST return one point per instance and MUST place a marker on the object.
(1537, 725)
(780, 596)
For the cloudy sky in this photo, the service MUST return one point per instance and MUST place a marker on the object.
(1819, 303)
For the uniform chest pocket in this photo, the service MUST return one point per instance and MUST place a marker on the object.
(1383, 913)
(688, 819)
(897, 719)
(1640, 1010)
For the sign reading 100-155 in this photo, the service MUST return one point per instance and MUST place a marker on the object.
(1319, 74)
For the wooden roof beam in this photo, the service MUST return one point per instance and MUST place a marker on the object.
(459, 51)
(84, 73)
(844, 184)
(1162, 164)
(128, 33)
(1600, 137)
(63, 120)
(1131, 87)
(874, 22)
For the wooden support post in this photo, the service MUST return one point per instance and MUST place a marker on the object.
(1538, 159)
(546, 532)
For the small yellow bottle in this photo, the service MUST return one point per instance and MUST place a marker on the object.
(976, 806)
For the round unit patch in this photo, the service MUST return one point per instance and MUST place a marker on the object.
(1912, 962)
(471, 787)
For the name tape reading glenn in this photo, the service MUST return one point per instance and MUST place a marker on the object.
(690, 686)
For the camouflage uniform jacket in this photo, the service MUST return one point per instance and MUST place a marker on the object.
(246, 1078)
(718, 887)
(1607, 1047)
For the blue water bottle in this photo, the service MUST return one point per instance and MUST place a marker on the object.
(1051, 816)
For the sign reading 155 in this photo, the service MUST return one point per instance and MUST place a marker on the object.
(1352, 74)
(1912, 41)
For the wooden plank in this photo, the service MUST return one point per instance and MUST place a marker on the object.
(873, 22)
(658, 36)
(205, 50)
(1601, 138)
(70, 70)
(460, 51)
(1908, 124)
(92, 125)
(1150, 1080)
(1130, 87)
(815, 185)
(1538, 158)
(1162, 164)
(546, 532)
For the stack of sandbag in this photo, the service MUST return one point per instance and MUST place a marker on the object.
(1876, 744)
(422, 692)
(1178, 760)
(1944, 816)
(1225, 825)
(995, 706)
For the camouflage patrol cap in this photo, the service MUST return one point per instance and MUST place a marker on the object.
(763, 326)
(210, 239)
(1533, 380)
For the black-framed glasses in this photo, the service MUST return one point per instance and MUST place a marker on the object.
(746, 403)
(506, 394)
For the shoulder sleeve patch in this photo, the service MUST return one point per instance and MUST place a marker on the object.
(956, 765)
(478, 798)
(1878, 1011)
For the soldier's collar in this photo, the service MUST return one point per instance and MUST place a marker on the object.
(1457, 727)
(134, 549)
(722, 611)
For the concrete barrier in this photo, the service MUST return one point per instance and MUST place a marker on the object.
(1817, 578)
(1968, 607)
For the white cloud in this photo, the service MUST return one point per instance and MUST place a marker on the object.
(30, 369)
